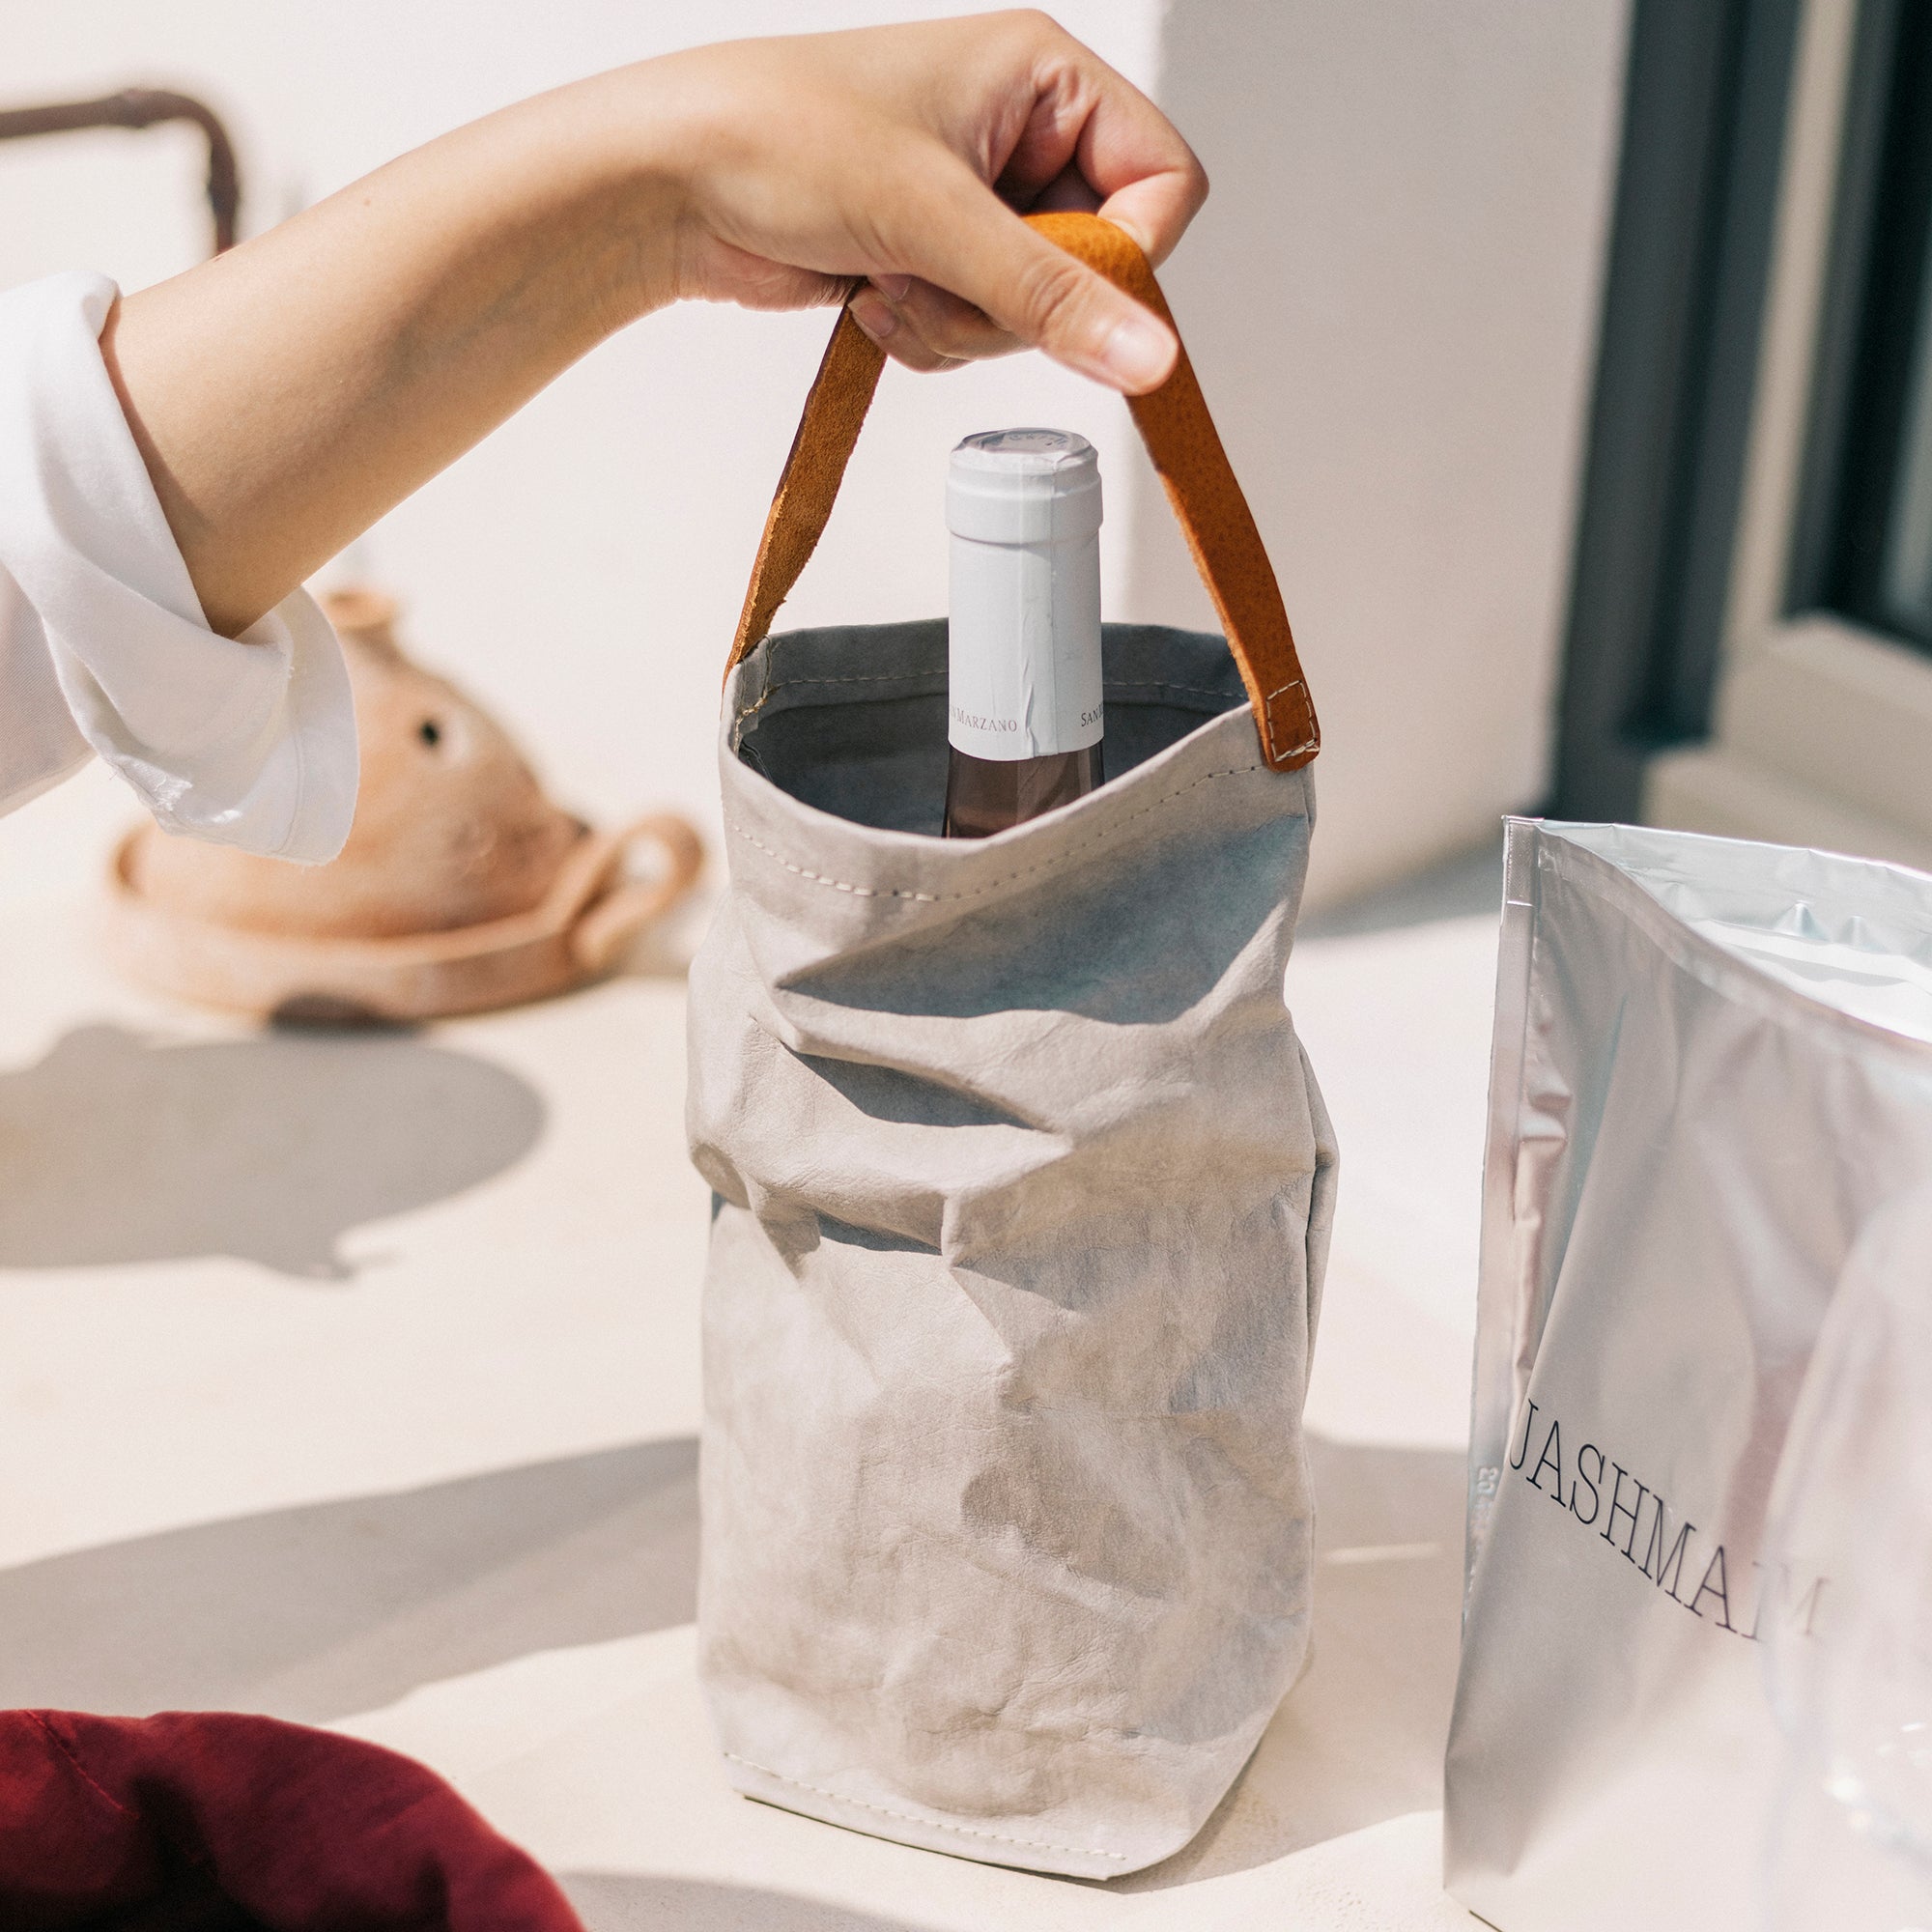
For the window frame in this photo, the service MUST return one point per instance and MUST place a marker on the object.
(1873, 304)
(1672, 414)
(1822, 726)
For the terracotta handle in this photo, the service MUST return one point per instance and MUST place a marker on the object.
(612, 921)
(1186, 453)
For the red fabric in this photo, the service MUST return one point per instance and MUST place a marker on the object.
(214, 1822)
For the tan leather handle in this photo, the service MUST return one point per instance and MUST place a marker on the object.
(1181, 440)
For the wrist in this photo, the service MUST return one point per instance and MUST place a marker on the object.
(651, 130)
(590, 181)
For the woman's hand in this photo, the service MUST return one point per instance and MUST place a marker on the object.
(289, 394)
(821, 159)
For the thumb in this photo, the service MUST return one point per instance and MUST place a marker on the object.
(985, 254)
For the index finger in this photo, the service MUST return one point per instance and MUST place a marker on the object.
(960, 236)
(1134, 157)
(1085, 117)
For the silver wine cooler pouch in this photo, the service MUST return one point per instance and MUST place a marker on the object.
(1712, 1076)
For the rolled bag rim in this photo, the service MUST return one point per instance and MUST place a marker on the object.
(882, 866)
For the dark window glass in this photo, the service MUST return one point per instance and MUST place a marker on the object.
(1880, 570)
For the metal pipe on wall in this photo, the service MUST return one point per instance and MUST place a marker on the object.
(145, 108)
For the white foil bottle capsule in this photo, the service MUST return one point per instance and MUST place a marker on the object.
(1024, 641)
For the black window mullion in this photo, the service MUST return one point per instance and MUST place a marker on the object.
(1862, 462)
(1705, 106)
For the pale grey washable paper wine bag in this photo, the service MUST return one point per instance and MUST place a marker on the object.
(1022, 1186)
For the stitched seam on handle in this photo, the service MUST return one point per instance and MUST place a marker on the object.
(992, 884)
(930, 1824)
(1267, 719)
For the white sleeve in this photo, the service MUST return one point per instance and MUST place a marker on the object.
(246, 742)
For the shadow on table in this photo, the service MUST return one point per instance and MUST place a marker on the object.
(322, 1611)
(611, 1902)
(271, 1147)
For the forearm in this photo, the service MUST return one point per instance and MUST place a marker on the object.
(287, 394)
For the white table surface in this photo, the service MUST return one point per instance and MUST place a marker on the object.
(355, 1379)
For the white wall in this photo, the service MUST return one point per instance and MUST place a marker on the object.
(1390, 299)
(1392, 296)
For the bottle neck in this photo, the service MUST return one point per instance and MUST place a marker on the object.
(987, 795)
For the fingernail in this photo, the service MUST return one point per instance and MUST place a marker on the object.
(873, 314)
(1138, 352)
(892, 287)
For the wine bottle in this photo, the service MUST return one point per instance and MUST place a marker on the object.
(1024, 711)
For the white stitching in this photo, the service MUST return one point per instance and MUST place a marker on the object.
(1267, 719)
(771, 691)
(1232, 698)
(992, 885)
(930, 1824)
(836, 885)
